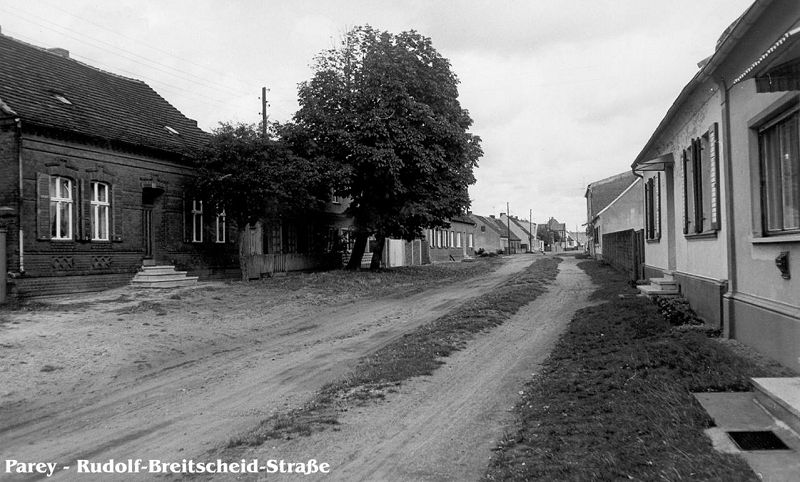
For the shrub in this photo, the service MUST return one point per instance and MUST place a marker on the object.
(676, 311)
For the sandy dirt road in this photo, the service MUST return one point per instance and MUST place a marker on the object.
(176, 381)
(443, 427)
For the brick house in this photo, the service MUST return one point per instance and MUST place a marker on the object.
(93, 175)
(453, 243)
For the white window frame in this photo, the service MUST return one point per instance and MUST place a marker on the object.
(221, 227)
(197, 221)
(458, 239)
(99, 207)
(57, 200)
(784, 193)
(438, 238)
(470, 240)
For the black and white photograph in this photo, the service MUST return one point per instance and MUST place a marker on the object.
(382, 240)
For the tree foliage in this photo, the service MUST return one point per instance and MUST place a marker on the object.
(252, 176)
(384, 109)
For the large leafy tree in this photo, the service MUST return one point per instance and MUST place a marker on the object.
(252, 176)
(384, 109)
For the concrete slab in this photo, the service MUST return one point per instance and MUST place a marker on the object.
(743, 412)
(781, 396)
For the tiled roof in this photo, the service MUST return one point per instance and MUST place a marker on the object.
(604, 191)
(462, 219)
(35, 84)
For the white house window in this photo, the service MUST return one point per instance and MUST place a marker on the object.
(431, 239)
(100, 205)
(700, 182)
(60, 207)
(221, 226)
(438, 239)
(452, 240)
(652, 207)
(197, 221)
(458, 239)
(470, 241)
(779, 146)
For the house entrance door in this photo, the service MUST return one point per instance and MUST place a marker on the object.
(151, 219)
(147, 231)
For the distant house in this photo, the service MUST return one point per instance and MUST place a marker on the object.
(93, 175)
(523, 230)
(616, 225)
(453, 243)
(492, 235)
(722, 184)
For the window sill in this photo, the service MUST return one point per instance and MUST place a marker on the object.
(786, 238)
(706, 235)
(653, 241)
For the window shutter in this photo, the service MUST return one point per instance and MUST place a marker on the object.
(713, 143)
(657, 204)
(685, 194)
(42, 206)
(647, 209)
(84, 211)
(115, 195)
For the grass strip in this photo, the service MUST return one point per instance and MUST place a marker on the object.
(414, 354)
(613, 400)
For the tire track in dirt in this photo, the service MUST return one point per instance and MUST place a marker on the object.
(188, 403)
(443, 427)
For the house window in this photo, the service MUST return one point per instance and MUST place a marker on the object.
(470, 241)
(700, 182)
(197, 221)
(431, 240)
(458, 239)
(60, 207)
(652, 207)
(779, 146)
(221, 226)
(100, 205)
(452, 239)
(438, 238)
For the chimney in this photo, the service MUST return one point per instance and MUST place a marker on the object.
(59, 51)
(491, 216)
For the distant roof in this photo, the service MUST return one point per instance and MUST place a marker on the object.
(604, 191)
(462, 219)
(48, 89)
(495, 225)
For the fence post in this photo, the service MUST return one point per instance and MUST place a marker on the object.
(3, 266)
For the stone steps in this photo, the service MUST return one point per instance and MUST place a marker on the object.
(781, 397)
(666, 286)
(162, 277)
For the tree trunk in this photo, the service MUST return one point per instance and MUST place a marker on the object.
(377, 255)
(243, 254)
(358, 251)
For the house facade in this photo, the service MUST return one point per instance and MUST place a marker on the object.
(617, 229)
(453, 243)
(94, 169)
(523, 230)
(722, 184)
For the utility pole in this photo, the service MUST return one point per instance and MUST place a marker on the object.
(530, 231)
(508, 227)
(264, 111)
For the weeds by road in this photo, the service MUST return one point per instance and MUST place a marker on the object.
(414, 354)
(614, 399)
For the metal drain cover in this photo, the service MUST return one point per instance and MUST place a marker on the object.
(760, 440)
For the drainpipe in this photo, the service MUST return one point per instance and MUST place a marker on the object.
(728, 322)
(19, 197)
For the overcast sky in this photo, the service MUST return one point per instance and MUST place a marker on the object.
(562, 93)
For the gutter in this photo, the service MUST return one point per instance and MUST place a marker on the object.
(18, 122)
(730, 236)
